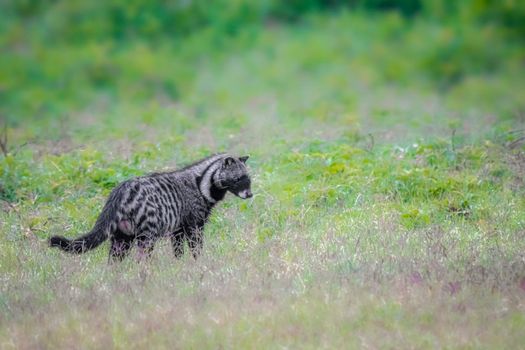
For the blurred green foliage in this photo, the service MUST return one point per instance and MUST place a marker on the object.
(79, 20)
(61, 55)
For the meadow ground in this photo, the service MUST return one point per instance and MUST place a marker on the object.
(388, 171)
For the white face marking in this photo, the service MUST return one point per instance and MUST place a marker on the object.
(243, 194)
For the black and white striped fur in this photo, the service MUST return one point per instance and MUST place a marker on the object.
(175, 203)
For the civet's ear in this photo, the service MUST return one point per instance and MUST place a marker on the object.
(229, 161)
(244, 159)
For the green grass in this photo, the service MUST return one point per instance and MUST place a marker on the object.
(388, 175)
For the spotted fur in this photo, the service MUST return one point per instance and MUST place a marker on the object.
(175, 203)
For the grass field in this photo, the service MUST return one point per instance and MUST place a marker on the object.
(388, 165)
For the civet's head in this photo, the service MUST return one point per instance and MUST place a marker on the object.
(233, 176)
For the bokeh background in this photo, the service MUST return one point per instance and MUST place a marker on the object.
(127, 63)
(387, 156)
